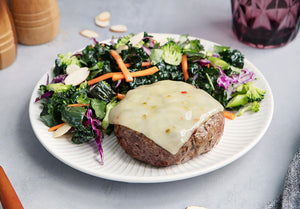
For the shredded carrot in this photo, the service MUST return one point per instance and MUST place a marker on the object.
(144, 64)
(127, 65)
(120, 96)
(78, 105)
(149, 71)
(53, 128)
(120, 75)
(184, 66)
(121, 65)
(229, 115)
(100, 78)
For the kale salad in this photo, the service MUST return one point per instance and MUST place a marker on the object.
(86, 85)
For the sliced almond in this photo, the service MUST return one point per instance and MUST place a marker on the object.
(102, 24)
(118, 28)
(121, 48)
(89, 33)
(77, 77)
(62, 130)
(72, 68)
(134, 40)
(162, 40)
(103, 16)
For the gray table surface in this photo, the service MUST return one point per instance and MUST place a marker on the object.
(42, 181)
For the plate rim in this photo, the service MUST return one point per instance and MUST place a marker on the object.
(159, 179)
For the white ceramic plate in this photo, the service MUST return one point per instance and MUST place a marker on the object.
(239, 137)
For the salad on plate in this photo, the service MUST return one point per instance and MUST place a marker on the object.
(87, 84)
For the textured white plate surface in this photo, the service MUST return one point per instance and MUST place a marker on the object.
(239, 137)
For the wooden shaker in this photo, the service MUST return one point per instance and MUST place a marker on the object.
(8, 39)
(36, 21)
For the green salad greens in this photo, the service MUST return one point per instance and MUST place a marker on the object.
(85, 106)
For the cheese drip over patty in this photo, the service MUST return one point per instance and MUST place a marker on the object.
(167, 112)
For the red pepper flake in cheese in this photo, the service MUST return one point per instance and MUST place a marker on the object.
(184, 92)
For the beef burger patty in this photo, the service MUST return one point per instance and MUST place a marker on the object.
(140, 147)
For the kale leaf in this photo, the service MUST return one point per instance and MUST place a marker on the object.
(103, 91)
(233, 57)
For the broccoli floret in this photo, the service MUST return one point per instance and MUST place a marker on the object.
(244, 94)
(191, 48)
(172, 53)
(109, 106)
(58, 87)
(193, 45)
(63, 61)
(253, 93)
(68, 59)
(183, 38)
(254, 107)
(123, 41)
(237, 101)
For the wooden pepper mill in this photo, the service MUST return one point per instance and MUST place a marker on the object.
(36, 21)
(8, 39)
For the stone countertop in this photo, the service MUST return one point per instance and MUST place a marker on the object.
(44, 182)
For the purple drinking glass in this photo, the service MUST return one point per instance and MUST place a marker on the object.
(265, 23)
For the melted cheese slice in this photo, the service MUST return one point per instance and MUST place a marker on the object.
(167, 112)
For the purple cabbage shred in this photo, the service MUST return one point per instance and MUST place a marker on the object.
(112, 41)
(246, 76)
(227, 82)
(45, 95)
(195, 76)
(151, 41)
(94, 122)
(79, 54)
(202, 61)
(147, 50)
(94, 40)
(47, 82)
(118, 84)
(59, 79)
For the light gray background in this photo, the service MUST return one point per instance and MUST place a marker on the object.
(42, 181)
